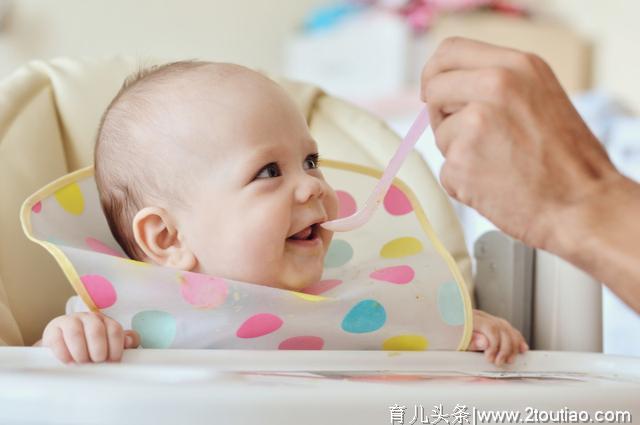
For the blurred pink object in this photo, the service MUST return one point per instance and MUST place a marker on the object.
(460, 4)
(422, 13)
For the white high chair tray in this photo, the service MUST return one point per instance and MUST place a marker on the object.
(311, 387)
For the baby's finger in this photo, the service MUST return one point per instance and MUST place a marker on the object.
(74, 338)
(115, 339)
(494, 343)
(518, 341)
(131, 339)
(524, 347)
(479, 342)
(96, 336)
(55, 341)
(505, 348)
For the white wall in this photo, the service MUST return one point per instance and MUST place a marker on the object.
(614, 28)
(250, 32)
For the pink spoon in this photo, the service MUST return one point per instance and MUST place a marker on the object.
(362, 216)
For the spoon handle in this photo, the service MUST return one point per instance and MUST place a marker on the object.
(413, 135)
(363, 215)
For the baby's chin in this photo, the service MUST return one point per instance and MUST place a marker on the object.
(291, 276)
(302, 281)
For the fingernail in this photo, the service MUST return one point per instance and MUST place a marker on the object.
(128, 340)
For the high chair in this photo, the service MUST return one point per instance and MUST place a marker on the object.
(49, 113)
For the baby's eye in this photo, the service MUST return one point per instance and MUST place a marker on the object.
(269, 171)
(312, 161)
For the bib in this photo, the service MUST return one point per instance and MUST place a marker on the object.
(389, 285)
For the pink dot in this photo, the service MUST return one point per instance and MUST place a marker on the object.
(203, 291)
(396, 202)
(102, 248)
(37, 207)
(302, 343)
(100, 290)
(346, 204)
(395, 274)
(322, 286)
(259, 325)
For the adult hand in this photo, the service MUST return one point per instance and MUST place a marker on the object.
(517, 151)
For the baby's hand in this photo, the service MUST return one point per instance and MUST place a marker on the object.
(496, 337)
(88, 337)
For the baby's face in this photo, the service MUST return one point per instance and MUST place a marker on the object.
(254, 210)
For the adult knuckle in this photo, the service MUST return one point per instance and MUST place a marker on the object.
(477, 117)
(446, 46)
(500, 82)
(531, 60)
(441, 144)
(445, 180)
(451, 42)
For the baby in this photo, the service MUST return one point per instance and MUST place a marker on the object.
(194, 156)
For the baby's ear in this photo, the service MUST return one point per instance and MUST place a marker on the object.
(158, 237)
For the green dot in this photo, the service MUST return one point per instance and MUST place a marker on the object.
(339, 253)
(157, 329)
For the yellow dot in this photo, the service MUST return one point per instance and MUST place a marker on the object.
(308, 297)
(70, 198)
(401, 247)
(406, 343)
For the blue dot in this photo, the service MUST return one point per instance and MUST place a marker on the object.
(366, 316)
(450, 304)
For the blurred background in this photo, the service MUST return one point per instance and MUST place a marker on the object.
(369, 52)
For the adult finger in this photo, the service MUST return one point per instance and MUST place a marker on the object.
(452, 127)
(462, 53)
(450, 91)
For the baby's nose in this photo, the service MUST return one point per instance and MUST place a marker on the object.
(309, 187)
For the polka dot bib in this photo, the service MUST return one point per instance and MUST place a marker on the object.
(389, 285)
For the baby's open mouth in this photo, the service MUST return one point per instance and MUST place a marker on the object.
(307, 234)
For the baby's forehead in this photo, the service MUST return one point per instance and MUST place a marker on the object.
(216, 110)
(237, 99)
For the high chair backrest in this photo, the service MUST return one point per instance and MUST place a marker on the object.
(49, 113)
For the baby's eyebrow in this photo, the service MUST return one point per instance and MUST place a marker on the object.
(258, 158)
(261, 154)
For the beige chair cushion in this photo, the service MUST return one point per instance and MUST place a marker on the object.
(49, 112)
